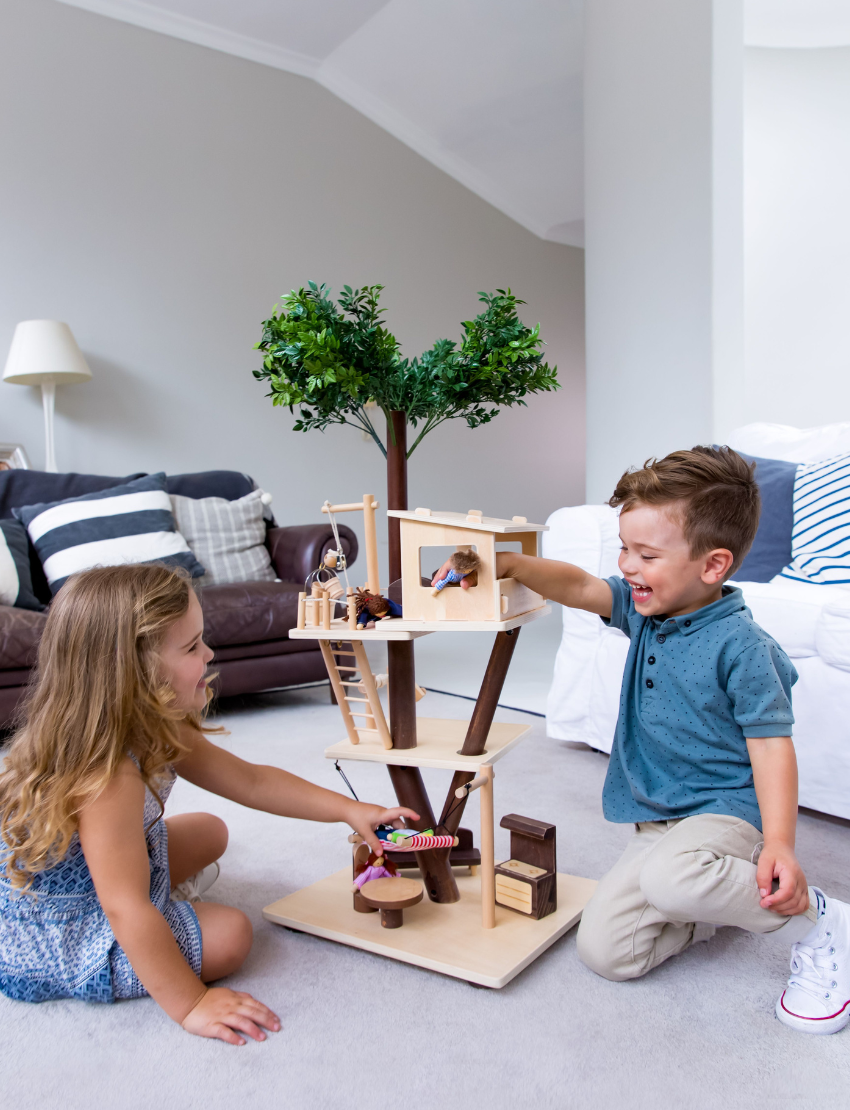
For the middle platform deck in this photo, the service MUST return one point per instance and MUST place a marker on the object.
(438, 746)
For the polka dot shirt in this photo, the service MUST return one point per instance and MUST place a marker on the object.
(694, 689)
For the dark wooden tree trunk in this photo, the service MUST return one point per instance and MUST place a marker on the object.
(407, 781)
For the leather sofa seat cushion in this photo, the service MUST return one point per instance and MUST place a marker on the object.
(20, 631)
(248, 612)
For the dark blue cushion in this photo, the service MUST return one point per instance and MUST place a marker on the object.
(17, 577)
(229, 484)
(771, 550)
(33, 487)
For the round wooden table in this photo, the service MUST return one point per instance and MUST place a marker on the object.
(391, 896)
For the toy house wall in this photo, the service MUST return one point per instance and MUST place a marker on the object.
(482, 602)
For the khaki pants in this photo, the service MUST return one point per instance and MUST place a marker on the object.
(672, 875)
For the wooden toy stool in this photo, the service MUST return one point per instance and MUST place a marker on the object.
(391, 896)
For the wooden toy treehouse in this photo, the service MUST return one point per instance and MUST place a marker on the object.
(483, 924)
(490, 598)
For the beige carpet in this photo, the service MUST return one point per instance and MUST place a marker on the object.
(363, 1032)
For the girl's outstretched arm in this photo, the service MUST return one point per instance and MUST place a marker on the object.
(274, 790)
(113, 842)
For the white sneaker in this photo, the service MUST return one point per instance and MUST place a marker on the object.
(191, 889)
(817, 998)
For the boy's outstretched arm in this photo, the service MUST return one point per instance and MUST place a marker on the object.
(562, 582)
(775, 778)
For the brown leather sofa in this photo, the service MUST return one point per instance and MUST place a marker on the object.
(247, 624)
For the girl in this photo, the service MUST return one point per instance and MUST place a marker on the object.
(87, 863)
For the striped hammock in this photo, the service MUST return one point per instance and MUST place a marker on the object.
(414, 843)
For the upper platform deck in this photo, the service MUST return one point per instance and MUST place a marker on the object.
(397, 628)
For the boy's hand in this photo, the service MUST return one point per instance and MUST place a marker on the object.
(777, 861)
(365, 818)
(502, 570)
(221, 1012)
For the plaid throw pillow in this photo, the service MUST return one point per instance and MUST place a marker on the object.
(131, 523)
(228, 537)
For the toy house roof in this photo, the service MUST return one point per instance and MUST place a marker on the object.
(473, 520)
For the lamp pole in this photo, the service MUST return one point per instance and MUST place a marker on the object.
(48, 400)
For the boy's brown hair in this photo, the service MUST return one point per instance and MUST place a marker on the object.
(719, 498)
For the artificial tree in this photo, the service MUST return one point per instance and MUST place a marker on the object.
(338, 364)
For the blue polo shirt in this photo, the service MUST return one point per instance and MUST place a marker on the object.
(694, 689)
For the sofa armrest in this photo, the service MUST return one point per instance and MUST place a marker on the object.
(299, 550)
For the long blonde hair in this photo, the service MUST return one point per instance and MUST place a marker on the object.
(96, 697)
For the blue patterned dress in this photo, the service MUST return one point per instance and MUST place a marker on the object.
(55, 939)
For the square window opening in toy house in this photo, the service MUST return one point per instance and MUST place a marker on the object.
(509, 545)
(432, 558)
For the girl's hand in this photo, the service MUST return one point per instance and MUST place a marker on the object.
(220, 1012)
(365, 818)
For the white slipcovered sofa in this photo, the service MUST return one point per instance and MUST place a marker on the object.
(811, 622)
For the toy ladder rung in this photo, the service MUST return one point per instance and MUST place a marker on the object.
(365, 716)
(355, 669)
(364, 700)
(370, 731)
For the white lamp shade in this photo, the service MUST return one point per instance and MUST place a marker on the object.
(45, 351)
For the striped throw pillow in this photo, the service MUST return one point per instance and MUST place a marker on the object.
(820, 540)
(229, 537)
(130, 523)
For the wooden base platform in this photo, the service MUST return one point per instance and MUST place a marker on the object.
(444, 938)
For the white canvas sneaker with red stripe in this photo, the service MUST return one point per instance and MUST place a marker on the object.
(817, 998)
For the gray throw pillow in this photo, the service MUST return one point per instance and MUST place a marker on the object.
(228, 537)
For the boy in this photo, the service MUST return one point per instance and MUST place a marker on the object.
(702, 763)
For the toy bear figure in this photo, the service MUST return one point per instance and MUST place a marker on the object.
(463, 563)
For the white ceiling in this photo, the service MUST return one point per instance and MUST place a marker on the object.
(488, 90)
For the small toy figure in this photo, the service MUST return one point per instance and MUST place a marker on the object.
(373, 607)
(375, 867)
(463, 563)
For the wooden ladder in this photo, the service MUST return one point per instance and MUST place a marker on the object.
(375, 721)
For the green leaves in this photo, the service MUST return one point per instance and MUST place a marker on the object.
(330, 362)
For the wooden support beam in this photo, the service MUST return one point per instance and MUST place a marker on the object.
(488, 855)
(479, 725)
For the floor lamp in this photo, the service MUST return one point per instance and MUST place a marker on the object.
(45, 353)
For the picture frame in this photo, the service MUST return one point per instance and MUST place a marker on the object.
(13, 457)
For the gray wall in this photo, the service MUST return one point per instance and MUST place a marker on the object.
(663, 228)
(159, 197)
